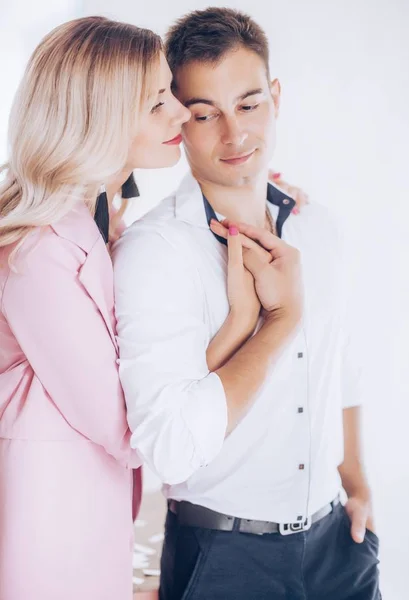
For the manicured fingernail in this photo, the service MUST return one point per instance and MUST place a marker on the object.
(296, 211)
(277, 176)
(233, 230)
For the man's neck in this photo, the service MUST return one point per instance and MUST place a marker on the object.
(246, 203)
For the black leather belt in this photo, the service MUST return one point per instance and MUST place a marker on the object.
(193, 515)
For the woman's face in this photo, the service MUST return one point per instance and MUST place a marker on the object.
(157, 143)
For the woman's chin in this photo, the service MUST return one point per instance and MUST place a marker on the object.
(167, 159)
(172, 159)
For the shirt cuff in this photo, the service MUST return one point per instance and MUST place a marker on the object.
(351, 402)
(206, 418)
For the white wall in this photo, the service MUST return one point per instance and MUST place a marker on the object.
(344, 126)
(22, 25)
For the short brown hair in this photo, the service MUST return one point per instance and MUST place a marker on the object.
(206, 36)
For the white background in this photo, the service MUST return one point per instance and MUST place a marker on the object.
(343, 136)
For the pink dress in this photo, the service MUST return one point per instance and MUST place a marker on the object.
(66, 479)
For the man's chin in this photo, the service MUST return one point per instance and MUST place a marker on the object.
(242, 177)
(231, 177)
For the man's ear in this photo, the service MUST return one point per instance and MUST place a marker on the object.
(275, 90)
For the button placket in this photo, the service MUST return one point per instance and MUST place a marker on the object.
(302, 415)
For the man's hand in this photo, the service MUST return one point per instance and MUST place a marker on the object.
(359, 511)
(359, 505)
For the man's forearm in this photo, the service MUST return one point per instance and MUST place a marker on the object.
(352, 471)
(246, 371)
(359, 504)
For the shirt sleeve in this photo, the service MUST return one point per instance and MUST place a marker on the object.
(351, 365)
(65, 340)
(351, 375)
(177, 410)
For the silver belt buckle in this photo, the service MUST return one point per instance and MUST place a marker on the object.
(290, 528)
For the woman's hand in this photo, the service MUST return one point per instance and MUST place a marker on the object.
(274, 264)
(244, 303)
(296, 193)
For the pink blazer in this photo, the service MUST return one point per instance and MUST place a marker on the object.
(67, 489)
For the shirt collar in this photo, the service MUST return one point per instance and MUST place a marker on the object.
(189, 202)
(193, 207)
(284, 203)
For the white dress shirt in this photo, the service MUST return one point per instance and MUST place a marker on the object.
(280, 463)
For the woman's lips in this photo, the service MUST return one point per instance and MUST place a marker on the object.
(238, 160)
(174, 141)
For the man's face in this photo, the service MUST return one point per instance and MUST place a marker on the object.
(230, 137)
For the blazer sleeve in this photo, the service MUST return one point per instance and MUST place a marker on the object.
(65, 340)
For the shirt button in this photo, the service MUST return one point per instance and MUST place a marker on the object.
(300, 354)
(286, 201)
(301, 467)
(300, 409)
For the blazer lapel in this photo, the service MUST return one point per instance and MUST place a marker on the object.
(96, 274)
(97, 278)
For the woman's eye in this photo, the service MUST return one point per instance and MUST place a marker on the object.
(157, 107)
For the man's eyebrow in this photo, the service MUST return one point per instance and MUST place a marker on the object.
(197, 100)
(250, 93)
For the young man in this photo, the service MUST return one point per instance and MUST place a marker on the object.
(254, 454)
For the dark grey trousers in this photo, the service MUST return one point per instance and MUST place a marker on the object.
(323, 563)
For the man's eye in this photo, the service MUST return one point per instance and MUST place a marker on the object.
(205, 118)
(250, 107)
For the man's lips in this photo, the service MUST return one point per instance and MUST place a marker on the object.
(238, 159)
(174, 141)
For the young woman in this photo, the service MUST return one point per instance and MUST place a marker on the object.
(86, 114)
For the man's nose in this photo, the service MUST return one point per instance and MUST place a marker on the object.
(233, 134)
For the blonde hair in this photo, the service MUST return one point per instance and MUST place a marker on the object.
(73, 119)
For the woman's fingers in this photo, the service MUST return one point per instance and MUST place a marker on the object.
(246, 242)
(222, 231)
(266, 239)
(299, 196)
(254, 262)
(235, 252)
(218, 228)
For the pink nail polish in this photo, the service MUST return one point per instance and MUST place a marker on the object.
(233, 230)
(277, 176)
(296, 211)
